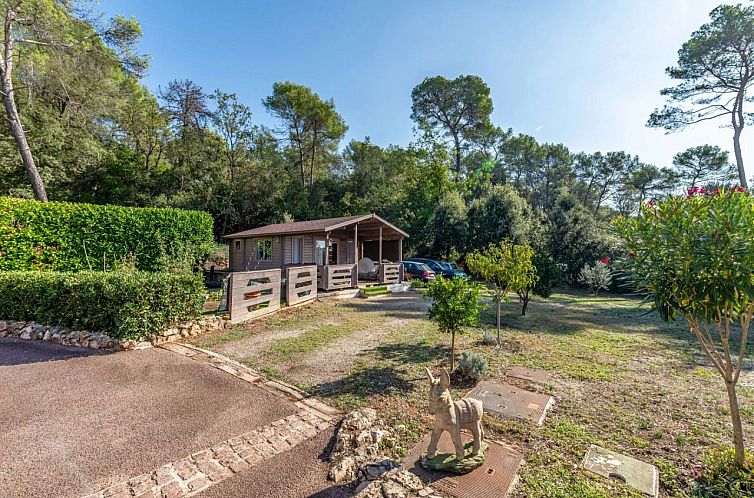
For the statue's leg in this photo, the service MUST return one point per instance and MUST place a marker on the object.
(476, 431)
(432, 449)
(460, 453)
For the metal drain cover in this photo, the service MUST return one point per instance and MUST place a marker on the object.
(635, 473)
(512, 402)
(494, 479)
(529, 374)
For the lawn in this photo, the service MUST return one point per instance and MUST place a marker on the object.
(621, 378)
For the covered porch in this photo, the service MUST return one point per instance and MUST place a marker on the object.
(360, 252)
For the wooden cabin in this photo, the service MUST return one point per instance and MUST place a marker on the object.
(335, 245)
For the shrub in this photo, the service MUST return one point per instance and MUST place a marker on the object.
(489, 338)
(124, 305)
(472, 366)
(65, 236)
(418, 283)
(722, 477)
(596, 277)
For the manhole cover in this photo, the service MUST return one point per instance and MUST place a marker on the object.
(511, 402)
(530, 374)
(494, 479)
(635, 473)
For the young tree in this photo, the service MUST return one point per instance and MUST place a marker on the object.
(715, 72)
(42, 28)
(455, 305)
(693, 257)
(460, 108)
(313, 127)
(704, 164)
(596, 277)
(509, 268)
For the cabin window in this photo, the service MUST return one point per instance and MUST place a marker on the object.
(320, 249)
(238, 245)
(297, 250)
(264, 250)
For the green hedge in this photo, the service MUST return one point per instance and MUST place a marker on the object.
(124, 305)
(65, 236)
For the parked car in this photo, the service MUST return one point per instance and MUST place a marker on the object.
(440, 268)
(414, 269)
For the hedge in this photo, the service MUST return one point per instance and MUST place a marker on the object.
(124, 305)
(65, 236)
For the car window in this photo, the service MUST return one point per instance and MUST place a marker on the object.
(424, 267)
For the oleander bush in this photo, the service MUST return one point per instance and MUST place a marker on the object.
(123, 304)
(63, 236)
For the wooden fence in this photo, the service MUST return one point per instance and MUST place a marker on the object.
(301, 284)
(253, 294)
(334, 277)
(390, 273)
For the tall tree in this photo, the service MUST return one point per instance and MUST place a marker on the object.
(704, 164)
(44, 27)
(312, 126)
(715, 71)
(459, 108)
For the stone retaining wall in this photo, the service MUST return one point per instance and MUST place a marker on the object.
(96, 340)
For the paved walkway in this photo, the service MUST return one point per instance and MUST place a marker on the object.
(143, 423)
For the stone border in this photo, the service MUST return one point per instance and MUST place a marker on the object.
(198, 471)
(95, 340)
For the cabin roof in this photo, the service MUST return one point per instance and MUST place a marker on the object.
(324, 225)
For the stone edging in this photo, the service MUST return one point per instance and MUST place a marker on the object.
(96, 340)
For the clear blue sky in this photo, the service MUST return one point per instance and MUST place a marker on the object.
(585, 73)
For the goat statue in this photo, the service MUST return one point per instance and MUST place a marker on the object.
(453, 416)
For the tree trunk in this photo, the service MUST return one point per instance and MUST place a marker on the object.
(497, 316)
(525, 305)
(14, 119)
(735, 415)
(739, 156)
(457, 143)
(453, 351)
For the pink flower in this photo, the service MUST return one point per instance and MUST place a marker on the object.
(741, 189)
(605, 260)
(650, 202)
(703, 191)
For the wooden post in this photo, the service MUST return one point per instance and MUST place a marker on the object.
(380, 244)
(400, 249)
(356, 243)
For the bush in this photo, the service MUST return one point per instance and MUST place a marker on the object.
(124, 305)
(596, 277)
(721, 476)
(472, 366)
(489, 338)
(63, 236)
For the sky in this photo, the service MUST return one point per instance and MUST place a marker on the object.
(585, 73)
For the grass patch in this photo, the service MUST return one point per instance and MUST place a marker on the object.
(306, 342)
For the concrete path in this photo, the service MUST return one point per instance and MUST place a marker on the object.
(75, 423)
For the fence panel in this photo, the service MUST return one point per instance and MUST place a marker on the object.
(341, 276)
(253, 294)
(390, 273)
(301, 284)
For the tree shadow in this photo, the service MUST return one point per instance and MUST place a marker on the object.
(365, 383)
(15, 351)
(402, 307)
(403, 353)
